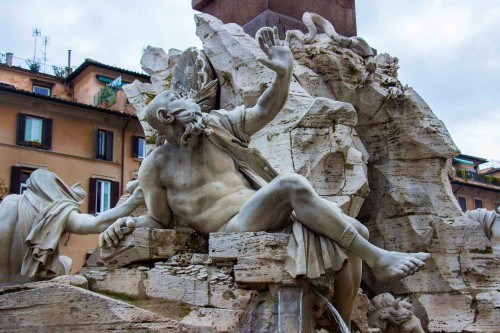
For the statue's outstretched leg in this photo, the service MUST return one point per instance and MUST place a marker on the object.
(271, 206)
(348, 280)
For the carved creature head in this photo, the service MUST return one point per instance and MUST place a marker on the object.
(393, 315)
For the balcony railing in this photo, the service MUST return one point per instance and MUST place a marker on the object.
(34, 66)
(472, 175)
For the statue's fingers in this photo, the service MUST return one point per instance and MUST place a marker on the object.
(287, 38)
(118, 231)
(108, 240)
(113, 236)
(276, 37)
(263, 45)
(267, 63)
(101, 240)
(269, 38)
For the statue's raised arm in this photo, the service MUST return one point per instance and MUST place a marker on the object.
(279, 59)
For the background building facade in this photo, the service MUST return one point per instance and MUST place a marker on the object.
(78, 126)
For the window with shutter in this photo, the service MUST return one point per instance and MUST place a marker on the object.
(138, 147)
(34, 131)
(478, 203)
(103, 195)
(463, 203)
(104, 145)
(19, 178)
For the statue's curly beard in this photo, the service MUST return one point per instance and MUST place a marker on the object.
(192, 123)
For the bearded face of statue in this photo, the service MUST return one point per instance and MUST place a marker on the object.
(179, 119)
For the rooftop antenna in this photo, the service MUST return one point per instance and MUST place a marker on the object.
(45, 43)
(37, 32)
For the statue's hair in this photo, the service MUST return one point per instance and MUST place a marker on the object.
(191, 120)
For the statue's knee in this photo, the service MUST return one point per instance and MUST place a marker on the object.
(295, 184)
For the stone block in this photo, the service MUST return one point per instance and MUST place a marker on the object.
(444, 320)
(221, 320)
(258, 245)
(224, 297)
(121, 281)
(145, 244)
(250, 271)
(178, 289)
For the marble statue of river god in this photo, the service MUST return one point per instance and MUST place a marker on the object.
(206, 175)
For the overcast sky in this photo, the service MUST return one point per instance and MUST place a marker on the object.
(449, 50)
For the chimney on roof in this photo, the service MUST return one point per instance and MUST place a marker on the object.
(9, 57)
(68, 69)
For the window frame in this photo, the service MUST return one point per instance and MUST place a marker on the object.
(136, 140)
(476, 200)
(95, 207)
(106, 145)
(41, 86)
(16, 175)
(464, 208)
(46, 132)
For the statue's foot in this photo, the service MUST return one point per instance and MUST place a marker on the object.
(398, 265)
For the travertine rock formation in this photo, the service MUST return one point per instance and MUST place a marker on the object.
(348, 116)
(410, 206)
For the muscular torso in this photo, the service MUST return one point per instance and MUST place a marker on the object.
(203, 186)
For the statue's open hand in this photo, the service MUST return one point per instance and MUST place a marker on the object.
(115, 232)
(279, 56)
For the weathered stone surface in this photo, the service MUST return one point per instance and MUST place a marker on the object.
(222, 321)
(179, 289)
(377, 130)
(146, 244)
(63, 308)
(410, 206)
(250, 271)
(359, 311)
(260, 245)
(224, 297)
(488, 317)
(447, 312)
(120, 281)
(72, 280)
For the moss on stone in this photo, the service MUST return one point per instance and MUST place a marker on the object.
(185, 310)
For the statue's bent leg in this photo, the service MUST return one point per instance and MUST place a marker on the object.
(269, 208)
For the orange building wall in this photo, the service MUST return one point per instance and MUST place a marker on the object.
(491, 200)
(23, 80)
(86, 85)
(72, 153)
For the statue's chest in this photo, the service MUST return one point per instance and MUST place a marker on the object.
(187, 168)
